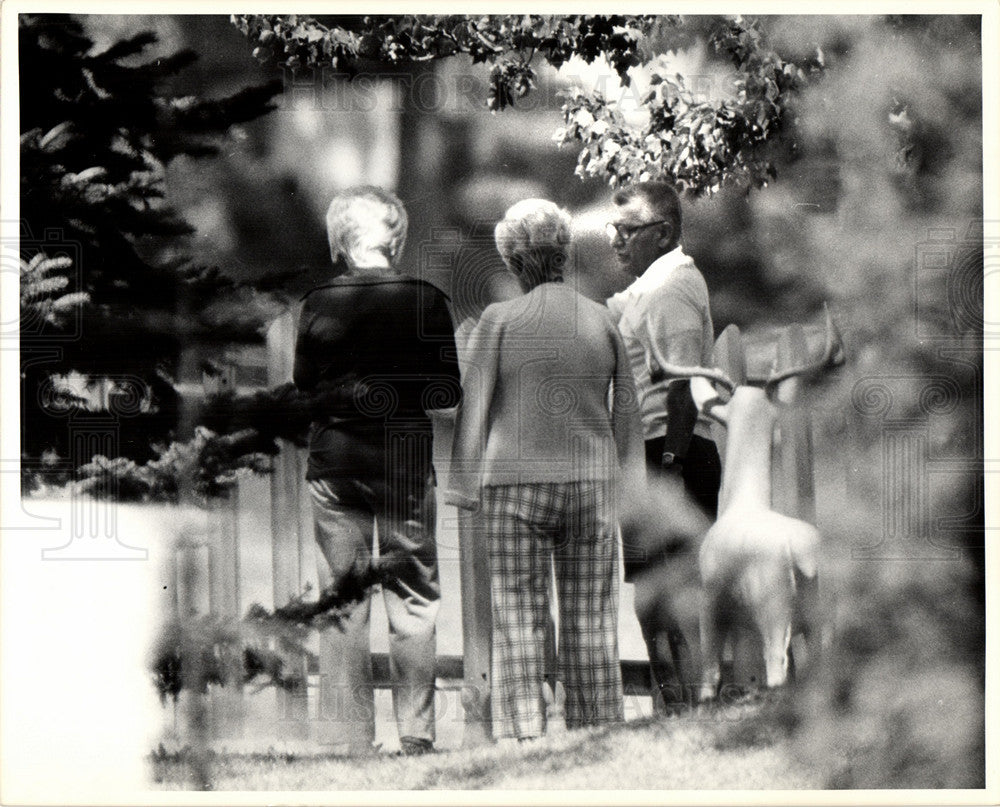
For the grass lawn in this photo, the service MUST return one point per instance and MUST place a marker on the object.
(736, 748)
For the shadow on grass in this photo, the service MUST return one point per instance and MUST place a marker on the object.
(771, 720)
(544, 756)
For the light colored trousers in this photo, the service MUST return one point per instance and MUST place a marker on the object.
(345, 512)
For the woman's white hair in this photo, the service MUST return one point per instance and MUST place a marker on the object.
(534, 232)
(366, 226)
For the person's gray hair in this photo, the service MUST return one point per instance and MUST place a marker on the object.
(366, 226)
(533, 238)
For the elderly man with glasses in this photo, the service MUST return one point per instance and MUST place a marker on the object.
(663, 316)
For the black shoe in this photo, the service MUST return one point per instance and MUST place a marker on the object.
(415, 746)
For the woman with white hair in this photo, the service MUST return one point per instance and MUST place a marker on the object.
(548, 428)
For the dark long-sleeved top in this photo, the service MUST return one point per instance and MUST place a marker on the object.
(391, 336)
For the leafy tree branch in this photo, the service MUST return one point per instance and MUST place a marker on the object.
(699, 145)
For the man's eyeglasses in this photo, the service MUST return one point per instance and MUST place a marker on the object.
(626, 231)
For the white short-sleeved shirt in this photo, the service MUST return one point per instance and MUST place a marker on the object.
(665, 313)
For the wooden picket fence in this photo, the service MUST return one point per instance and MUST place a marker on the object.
(295, 715)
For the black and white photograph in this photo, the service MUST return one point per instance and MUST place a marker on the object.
(531, 408)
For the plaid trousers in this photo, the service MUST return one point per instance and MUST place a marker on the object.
(526, 524)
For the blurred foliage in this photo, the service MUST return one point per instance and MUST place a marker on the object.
(97, 130)
(235, 433)
(205, 650)
(899, 698)
(699, 145)
(264, 647)
(205, 466)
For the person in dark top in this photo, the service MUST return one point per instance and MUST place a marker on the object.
(388, 339)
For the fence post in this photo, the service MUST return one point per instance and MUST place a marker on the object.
(793, 487)
(197, 717)
(228, 707)
(748, 657)
(477, 627)
(729, 357)
(474, 595)
(340, 724)
(287, 483)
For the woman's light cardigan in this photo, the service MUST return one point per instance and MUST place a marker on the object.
(548, 396)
